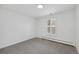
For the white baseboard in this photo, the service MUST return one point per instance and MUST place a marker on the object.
(13, 43)
(52, 39)
(58, 40)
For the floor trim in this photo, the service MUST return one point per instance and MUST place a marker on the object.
(15, 43)
(58, 40)
(51, 39)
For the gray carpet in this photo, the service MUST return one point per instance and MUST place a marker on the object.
(39, 46)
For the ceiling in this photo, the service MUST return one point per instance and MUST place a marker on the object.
(33, 11)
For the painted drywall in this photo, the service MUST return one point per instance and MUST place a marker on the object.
(77, 27)
(1, 28)
(15, 27)
(64, 27)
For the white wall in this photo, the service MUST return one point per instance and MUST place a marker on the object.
(1, 28)
(64, 27)
(77, 27)
(15, 27)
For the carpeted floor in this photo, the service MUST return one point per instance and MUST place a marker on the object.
(39, 46)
